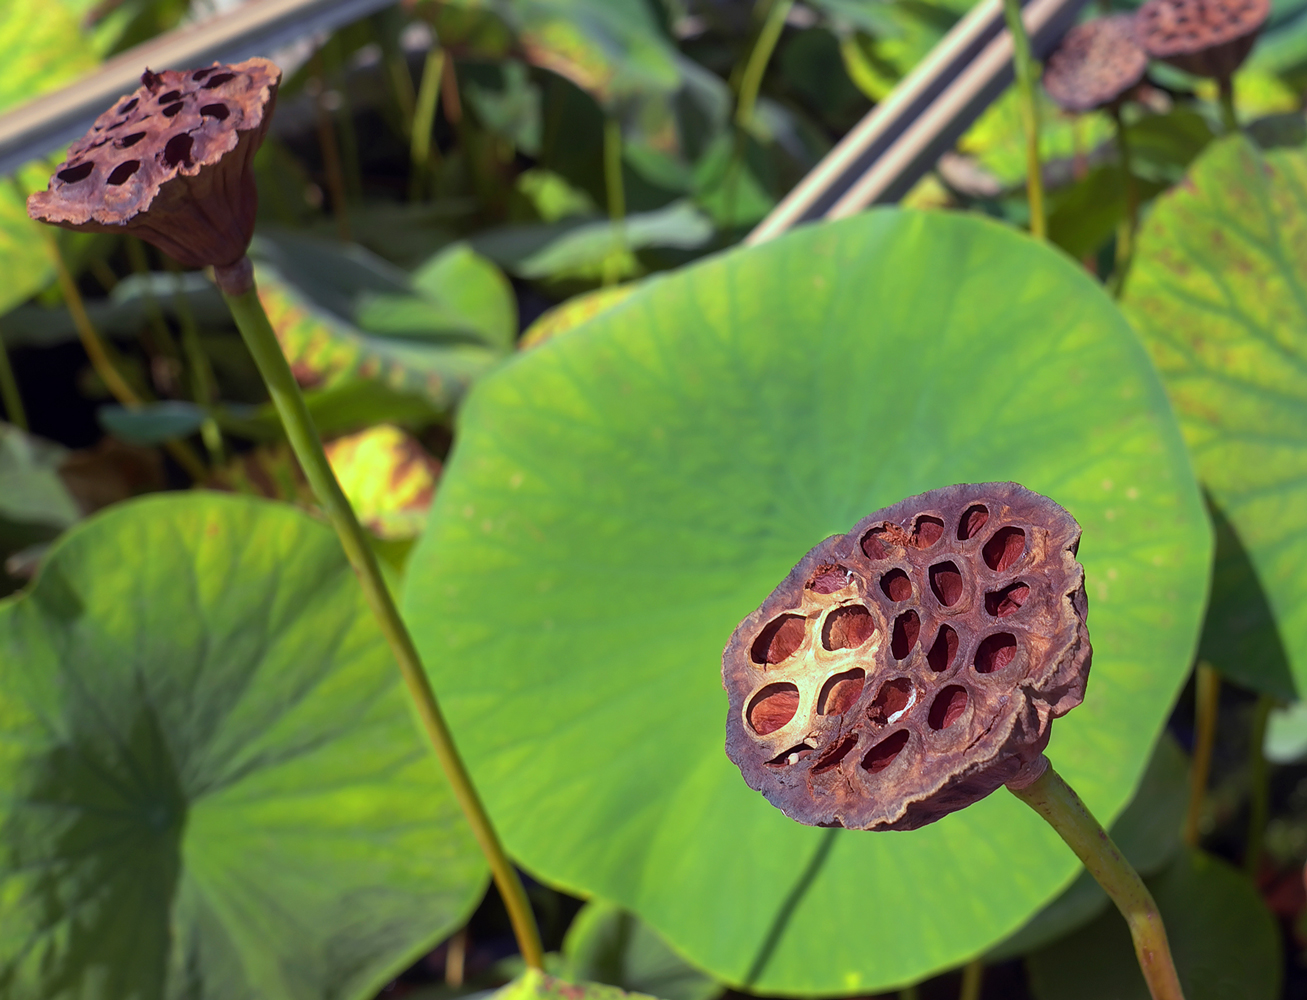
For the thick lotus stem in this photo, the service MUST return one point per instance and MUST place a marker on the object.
(1055, 800)
(237, 284)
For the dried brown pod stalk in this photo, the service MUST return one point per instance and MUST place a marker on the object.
(1203, 37)
(912, 666)
(1096, 64)
(171, 163)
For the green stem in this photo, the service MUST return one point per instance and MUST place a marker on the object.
(330, 151)
(141, 268)
(1125, 234)
(616, 191)
(1207, 698)
(759, 57)
(973, 975)
(1054, 800)
(204, 386)
(238, 289)
(1026, 73)
(1229, 118)
(910, 993)
(424, 119)
(103, 364)
(1260, 788)
(9, 394)
(333, 61)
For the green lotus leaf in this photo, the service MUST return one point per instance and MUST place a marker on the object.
(211, 783)
(1223, 939)
(621, 497)
(1218, 292)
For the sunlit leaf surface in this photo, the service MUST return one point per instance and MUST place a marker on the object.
(211, 784)
(621, 497)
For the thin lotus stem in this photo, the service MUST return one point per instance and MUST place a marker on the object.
(331, 152)
(1229, 117)
(424, 119)
(450, 102)
(1026, 75)
(759, 57)
(1259, 780)
(344, 118)
(401, 80)
(9, 394)
(456, 958)
(1207, 697)
(141, 267)
(204, 386)
(910, 993)
(616, 191)
(1054, 800)
(242, 298)
(1125, 234)
(973, 976)
(100, 361)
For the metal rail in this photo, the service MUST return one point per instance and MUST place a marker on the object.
(926, 113)
(254, 29)
(878, 161)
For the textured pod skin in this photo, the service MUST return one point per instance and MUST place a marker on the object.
(1203, 37)
(1095, 64)
(912, 666)
(171, 163)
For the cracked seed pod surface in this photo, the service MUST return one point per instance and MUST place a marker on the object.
(1203, 37)
(171, 163)
(910, 667)
(1095, 64)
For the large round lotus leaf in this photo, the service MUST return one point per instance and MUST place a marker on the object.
(1218, 291)
(211, 784)
(621, 497)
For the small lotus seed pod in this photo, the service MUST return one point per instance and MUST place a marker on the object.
(911, 667)
(1096, 64)
(171, 163)
(1203, 37)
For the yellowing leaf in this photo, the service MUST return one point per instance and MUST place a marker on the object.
(388, 478)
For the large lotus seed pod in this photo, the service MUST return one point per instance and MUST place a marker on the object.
(914, 665)
(1203, 37)
(171, 163)
(1096, 64)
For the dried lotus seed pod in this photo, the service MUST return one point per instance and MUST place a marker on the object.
(1203, 37)
(1096, 64)
(914, 665)
(171, 163)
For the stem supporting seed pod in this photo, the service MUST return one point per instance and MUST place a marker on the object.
(187, 186)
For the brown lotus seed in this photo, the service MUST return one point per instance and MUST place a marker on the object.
(912, 666)
(1096, 64)
(188, 184)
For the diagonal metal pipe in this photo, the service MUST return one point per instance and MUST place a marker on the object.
(925, 114)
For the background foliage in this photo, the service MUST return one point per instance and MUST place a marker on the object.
(496, 239)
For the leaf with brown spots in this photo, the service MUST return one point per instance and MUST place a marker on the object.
(1218, 293)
